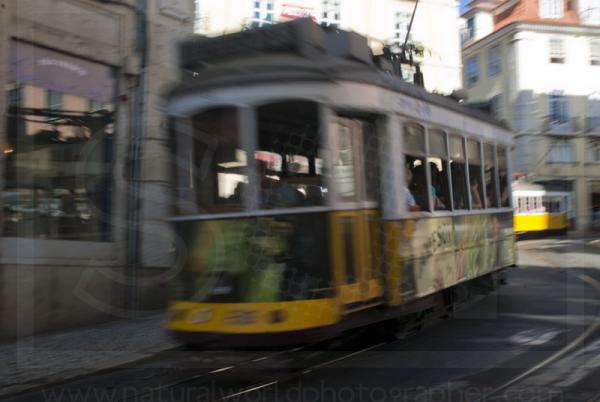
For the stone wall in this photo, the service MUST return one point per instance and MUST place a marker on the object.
(51, 284)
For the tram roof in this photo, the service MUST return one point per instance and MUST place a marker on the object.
(299, 50)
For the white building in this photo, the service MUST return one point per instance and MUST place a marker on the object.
(539, 66)
(435, 26)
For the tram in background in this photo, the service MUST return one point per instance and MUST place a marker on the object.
(538, 210)
(318, 193)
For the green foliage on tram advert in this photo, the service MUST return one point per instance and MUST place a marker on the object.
(256, 259)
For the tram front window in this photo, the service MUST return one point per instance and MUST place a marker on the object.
(289, 163)
(255, 259)
(220, 175)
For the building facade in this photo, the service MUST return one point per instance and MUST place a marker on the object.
(83, 129)
(537, 63)
(382, 21)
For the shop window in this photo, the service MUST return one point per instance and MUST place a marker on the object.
(58, 157)
(417, 195)
(491, 193)
(438, 169)
(475, 174)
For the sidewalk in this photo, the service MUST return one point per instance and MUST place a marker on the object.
(42, 359)
(567, 251)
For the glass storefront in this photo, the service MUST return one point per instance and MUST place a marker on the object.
(59, 147)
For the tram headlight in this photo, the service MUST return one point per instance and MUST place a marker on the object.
(200, 316)
(277, 316)
(177, 314)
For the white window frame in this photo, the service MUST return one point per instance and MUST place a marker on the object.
(471, 27)
(551, 8)
(472, 79)
(593, 147)
(262, 14)
(559, 103)
(494, 61)
(556, 51)
(595, 52)
(400, 27)
(561, 151)
(331, 13)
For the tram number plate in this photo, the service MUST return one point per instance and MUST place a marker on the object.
(242, 317)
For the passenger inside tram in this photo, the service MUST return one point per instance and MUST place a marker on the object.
(411, 204)
(476, 201)
(438, 187)
(418, 184)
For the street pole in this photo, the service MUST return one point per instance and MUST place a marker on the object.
(137, 136)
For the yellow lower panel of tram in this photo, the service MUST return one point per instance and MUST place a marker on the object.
(539, 222)
(246, 318)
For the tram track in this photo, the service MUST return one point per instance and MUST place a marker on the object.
(275, 367)
(231, 378)
(592, 329)
(407, 333)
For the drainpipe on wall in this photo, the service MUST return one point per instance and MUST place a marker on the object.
(133, 201)
(135, 151)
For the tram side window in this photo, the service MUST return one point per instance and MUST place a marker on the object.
(475, 177)
(491, 192)
(520, 205)
(438, 168)
(416, 181)
(371, 157)
(220, 162)
(458, 173)
(503, 177)
(289, 156)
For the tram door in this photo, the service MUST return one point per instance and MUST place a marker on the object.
(356, 227)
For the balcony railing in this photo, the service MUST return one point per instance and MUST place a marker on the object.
(571, 126)
(592, 124)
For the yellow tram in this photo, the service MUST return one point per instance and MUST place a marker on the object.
(318, 193)
(538, 210)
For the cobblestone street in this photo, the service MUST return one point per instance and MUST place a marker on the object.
(38, 360)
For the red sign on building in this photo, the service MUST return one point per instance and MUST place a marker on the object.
(294, 12)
